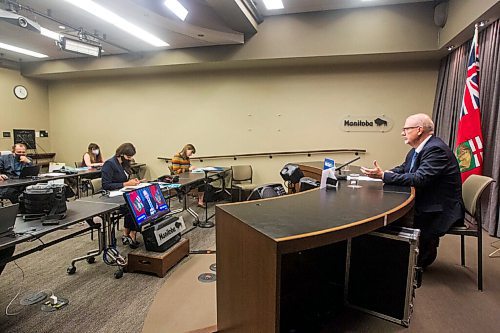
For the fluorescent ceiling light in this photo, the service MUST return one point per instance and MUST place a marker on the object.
(273, 4)
(22, 51)
(73, 45)
(177, 8)
(118, 21)
(49, 33)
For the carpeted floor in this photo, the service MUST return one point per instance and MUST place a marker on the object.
(184, 304)
(98, 301)
(448, 300)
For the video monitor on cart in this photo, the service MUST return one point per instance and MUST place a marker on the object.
(147, 204)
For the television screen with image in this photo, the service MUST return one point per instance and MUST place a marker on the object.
(146, 204)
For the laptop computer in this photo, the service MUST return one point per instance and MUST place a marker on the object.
(30, 171)
(8, 219)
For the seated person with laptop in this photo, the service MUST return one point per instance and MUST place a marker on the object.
(11, 166)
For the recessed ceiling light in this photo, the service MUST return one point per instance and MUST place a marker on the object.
(273, 4)
(62, 27)
(22, 51)
(483, 23)
(118, 21)
(451, 47)
(177, 8)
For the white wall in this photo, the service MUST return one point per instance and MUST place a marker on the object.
(241, 111)
(30, 113)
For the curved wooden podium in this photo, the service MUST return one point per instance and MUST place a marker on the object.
(281, 261)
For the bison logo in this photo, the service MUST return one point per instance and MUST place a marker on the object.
(380, 122)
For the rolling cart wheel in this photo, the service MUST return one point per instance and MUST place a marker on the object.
(119, 274)
(91, 260)
(71, 270)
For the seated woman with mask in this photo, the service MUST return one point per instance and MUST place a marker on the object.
(93, 157)
(116, 175)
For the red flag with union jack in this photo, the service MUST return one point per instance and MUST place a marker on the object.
(469, 147)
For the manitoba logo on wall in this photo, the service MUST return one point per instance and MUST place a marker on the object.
(371, 123)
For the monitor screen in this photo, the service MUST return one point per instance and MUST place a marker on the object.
(146, 204)
(25, 136)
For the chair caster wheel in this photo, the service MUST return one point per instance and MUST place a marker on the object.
(71, 270)
(91, 260)
(118, 274)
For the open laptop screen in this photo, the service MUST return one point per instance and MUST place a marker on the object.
(8, 218)
(30, 171)
(146, 204)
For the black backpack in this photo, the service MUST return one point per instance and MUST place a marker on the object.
(44, 200)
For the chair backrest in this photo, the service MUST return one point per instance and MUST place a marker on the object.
(241, 173)
(472, 189)
(96, 185)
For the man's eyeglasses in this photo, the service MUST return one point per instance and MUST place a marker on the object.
(405, 129)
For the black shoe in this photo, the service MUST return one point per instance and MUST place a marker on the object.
(126, 240)
(134, 244)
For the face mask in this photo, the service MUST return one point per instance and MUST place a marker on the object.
(125, 162)
(95, 152)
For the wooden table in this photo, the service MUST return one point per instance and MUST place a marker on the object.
(282, 259)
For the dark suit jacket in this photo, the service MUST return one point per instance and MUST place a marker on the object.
(7, 165)
(438, 187)
(113, 175)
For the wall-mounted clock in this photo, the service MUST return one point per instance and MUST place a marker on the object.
(21, 92)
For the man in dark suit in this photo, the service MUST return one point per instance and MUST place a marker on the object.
(432, 169)
(10, 167)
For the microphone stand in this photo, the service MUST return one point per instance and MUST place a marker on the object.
(339, 169)
(206, 223)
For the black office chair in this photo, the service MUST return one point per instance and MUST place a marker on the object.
(85, 184)
(472, 189)
(266, 191)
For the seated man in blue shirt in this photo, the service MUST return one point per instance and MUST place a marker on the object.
(432, 169)
(10, 167)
